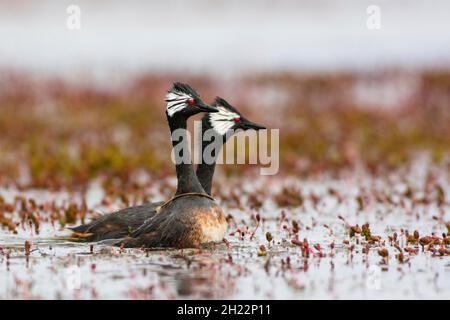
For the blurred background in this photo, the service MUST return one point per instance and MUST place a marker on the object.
(88, 103)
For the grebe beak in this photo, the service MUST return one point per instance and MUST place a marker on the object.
(206, 108)
(246, 125)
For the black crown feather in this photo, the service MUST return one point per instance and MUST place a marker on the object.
(185, 88)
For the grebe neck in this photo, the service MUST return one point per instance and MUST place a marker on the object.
(205, 171)
(187, 180)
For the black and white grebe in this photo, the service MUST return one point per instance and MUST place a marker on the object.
(121, 223)
(191, 218)
(227, 119)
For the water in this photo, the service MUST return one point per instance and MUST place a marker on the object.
(238, 272)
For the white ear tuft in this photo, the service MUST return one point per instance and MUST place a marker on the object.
(223, 120)
(176, 101)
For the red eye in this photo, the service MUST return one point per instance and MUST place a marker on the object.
(237, 120)
(191, 102)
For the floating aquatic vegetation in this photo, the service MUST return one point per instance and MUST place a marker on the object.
(98, 152)
(262, 252)
(269, 237)
(289, 197)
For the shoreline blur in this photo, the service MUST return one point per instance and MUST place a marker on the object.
(120, 40)
(57, 133)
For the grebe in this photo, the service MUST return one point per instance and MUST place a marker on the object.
(182, 102)
(192, 217)
(225, 120)
(121, 223)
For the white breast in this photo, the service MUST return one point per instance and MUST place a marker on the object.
(214, 233)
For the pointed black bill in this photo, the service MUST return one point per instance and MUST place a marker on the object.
(206, 108)
(246, 124)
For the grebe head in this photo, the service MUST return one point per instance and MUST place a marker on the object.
(228, 118)
(183, 100)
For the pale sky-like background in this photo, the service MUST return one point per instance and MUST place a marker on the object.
(221, 37)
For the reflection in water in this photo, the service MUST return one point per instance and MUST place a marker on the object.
(335, 266)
